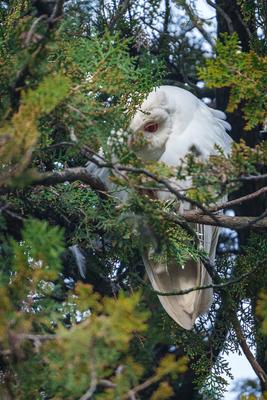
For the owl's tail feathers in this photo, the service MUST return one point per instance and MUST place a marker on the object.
(184, 309)
(172, 277)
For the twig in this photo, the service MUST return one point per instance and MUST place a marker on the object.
(240, 200)
(32, 29)
(139, 388)
(57, 11)
(206, 218)
(60, 144)
(33, 337)
(249, 178)
(212, 285)
(36, 339)
(159, 180)
(236, 223)
(224, 15)
(106, 383)
(89, 393)
(249, 355)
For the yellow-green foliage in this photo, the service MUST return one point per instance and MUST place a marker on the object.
(35, 262)
(222, 170)
(71, 359)
(95, 345)
(18, 8)
(262, 311)
(20, 135)
(66, 84)
(245, 73)
(164, 391)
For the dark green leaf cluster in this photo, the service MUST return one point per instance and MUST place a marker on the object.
(68, 83)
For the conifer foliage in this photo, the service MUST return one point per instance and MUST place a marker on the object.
(78, 319)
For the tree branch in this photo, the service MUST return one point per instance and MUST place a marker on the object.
(221, 11)
(249, 178)
(203, 216)
(121, 10)
(160, 181)
(197, 22)
(240, 200)
(67, 175)
(70, 175)
(220, 285)
(249, 355)
(236, 223)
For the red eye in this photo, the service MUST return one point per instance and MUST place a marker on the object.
(151, 127)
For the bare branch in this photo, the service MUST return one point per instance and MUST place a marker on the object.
(89, 393)
(70, 175)
(221, 11)
(94, 381)
(67, 175)
(34, 337)
(32, 29)
(122, 8)
(107, 383)
(236, 223)
(240, 200)
(197, 22)
(150, 381)
(220, 285)
(252, 360)
(249, 178)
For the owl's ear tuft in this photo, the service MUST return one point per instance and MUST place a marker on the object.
(161, 98)
(157, 99)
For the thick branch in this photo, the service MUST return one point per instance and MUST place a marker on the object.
(70, 175)
(67, 175)
(226, 17)
(121, 10)
(236, 223)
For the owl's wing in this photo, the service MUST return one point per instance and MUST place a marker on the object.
(206, 128)
(172, 277)
(104, 175)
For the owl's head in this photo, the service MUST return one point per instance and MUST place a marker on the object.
(172, 121)
(166, 110)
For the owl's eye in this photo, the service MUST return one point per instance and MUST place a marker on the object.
(151, 127)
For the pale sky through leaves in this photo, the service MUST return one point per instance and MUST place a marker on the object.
(241, 369)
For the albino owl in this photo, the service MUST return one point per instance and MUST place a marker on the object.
(175, 122)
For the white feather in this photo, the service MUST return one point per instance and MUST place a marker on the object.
(184, 123)
(79, 259)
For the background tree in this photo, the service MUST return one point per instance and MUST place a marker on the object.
(78, 319)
